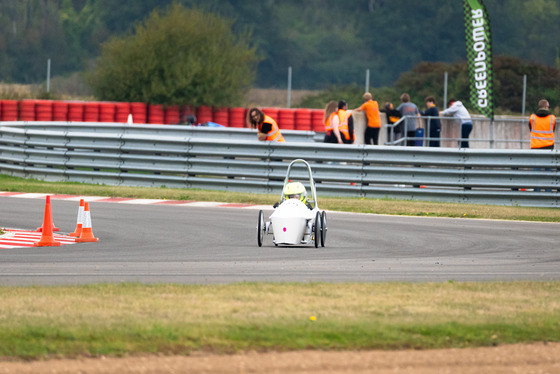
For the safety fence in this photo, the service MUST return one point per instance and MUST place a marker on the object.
(502, 133)
(171, 156)
(158, 130)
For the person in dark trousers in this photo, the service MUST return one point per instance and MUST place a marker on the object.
(434, 124)
(456, 109)
(393, 116)
(409, 110)
(371, 109)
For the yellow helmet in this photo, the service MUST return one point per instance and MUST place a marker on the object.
(295, 190)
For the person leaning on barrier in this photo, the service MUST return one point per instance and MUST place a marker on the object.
(371, 108)
(267, 127)
(189, 119)
(332, 134)
(434, 124)
(393, 116)
(542, 125)
(456, 109)
(409, 110)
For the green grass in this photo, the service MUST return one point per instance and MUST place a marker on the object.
(358, 205)
(119, 319)
(122, 319)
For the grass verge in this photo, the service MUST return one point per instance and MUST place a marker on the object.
(357, 205)
(119, 319)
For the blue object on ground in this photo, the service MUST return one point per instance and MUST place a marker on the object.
(419, 141)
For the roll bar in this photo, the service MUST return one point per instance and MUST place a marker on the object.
(312, 197)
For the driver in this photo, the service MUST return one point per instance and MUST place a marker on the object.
(296, 190)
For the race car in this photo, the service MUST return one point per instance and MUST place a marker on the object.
(297, 218)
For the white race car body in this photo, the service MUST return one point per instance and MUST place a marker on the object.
(292, 223)
(295, 222)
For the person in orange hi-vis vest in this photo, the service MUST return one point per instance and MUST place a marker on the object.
(345, 123)
(332, 134)
(542, 125)
(393, 116)
(268, 129)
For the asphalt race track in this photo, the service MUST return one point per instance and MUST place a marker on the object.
(193, 245)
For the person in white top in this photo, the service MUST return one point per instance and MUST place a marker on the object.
(456, 109)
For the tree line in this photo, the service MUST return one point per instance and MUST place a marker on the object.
(427, 79)
(327, 43)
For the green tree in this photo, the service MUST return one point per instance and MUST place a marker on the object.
(78, 26)
(30, 34)
(327, 42)
(352, 94)
(177, 56)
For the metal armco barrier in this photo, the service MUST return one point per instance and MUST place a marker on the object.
(172, 156)
(161, 130)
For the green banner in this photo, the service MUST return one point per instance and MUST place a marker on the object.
(479, 56)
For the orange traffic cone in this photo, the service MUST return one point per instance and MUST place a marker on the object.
(53, 227)
(47, 239)
(87, 233)
(80, 222)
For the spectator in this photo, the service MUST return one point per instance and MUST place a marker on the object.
(542, 125)
(371, 107)
(458, 110)
(409, 110)
(332, 134)
(189, 119)
(267, 128)
(434, 124)
(345, 123)
(393, 116)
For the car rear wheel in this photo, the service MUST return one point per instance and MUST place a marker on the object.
(260, 228)
(317, 229)
(323, 228)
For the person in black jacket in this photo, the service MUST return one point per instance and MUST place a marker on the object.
(393, 116)
(434, 124)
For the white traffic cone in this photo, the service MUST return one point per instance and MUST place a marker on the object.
(80, 221)
(87, 232)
